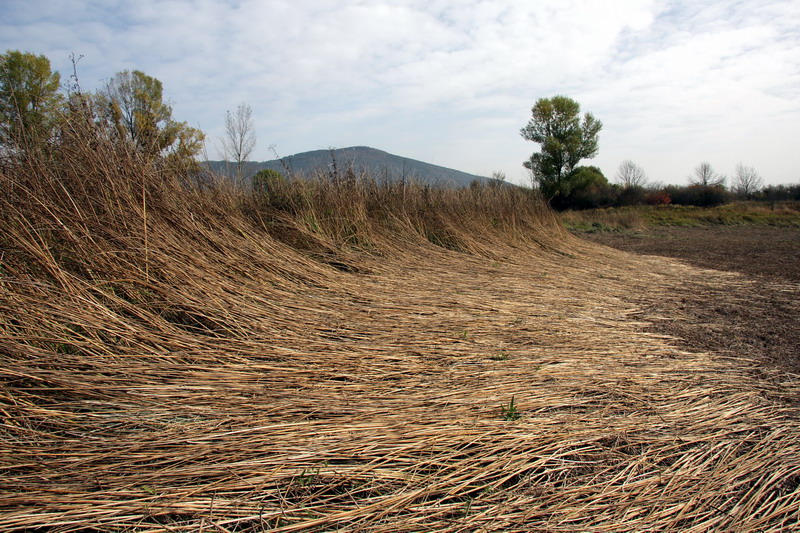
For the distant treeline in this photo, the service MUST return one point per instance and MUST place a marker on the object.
(613, 195)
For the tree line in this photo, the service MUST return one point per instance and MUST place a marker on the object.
(566, 138)
(129, 108)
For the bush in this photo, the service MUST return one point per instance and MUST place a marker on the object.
(272, 188)
(657, 198)
(633, 195)
(268, 179)
(593, 196)
(698, 195)
(588, 189)
(778, 193)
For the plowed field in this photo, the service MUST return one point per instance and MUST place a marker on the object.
(755, 317)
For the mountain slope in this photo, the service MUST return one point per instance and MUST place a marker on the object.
(381, 165)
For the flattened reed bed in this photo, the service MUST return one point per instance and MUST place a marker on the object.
(237, 383)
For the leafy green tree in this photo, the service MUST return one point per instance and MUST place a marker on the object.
(132, 102)
(29, 98)
(186, 145)
(565, 139)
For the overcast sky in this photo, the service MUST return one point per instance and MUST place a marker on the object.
(452, 82)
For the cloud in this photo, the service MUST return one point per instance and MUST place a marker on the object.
(703, 83)
(452, 82)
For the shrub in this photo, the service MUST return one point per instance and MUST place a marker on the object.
(632, 195)
(698, 195)
(593, 196)
(589, 189)
(267, 180)
(657, 198)
(778, 193)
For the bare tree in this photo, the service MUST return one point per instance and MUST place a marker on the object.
(630, 175)
(746, 181)
(240, 137)
(704, 175)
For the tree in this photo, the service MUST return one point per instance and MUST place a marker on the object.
(29, 98)
(705, 176)
(631, 175)
(132, 102)
(498, 176)
(240, 137)
(746, 181)
(497, 179)
(556, 125)
(187, 144)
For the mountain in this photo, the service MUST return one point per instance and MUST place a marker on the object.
(381, 165)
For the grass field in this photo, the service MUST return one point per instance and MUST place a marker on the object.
(633, 218)
(178, 357)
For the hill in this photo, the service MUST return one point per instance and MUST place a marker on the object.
(361, 159)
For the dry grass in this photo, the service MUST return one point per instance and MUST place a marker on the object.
(786, 214)
(609, 219)
(333, 363)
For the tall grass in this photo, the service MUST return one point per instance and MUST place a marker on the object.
(140, 302)
(106, 254)
(356, 211)
(177, 355)
(608, 219)
(93, 209)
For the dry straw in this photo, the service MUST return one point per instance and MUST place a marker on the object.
(336, 355)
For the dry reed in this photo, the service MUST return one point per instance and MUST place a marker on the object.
(329, 362)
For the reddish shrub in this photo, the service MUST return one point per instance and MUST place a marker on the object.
(658, 198)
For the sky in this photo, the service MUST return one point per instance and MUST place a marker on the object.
(675, 82)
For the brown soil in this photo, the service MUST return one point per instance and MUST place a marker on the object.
(754, 250)
(756, 314)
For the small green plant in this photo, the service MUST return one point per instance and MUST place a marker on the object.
(467, 507)
(502, 356)
(510, 412)
(464, 334)
(308, 477)
(66, 348)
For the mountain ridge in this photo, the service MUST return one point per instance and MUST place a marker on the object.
(380, 164)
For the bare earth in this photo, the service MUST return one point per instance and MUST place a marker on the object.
(755, 319)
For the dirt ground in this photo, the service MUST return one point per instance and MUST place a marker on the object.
(757, 319)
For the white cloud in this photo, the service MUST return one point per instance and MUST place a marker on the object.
(715, 91)
(452, 82)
